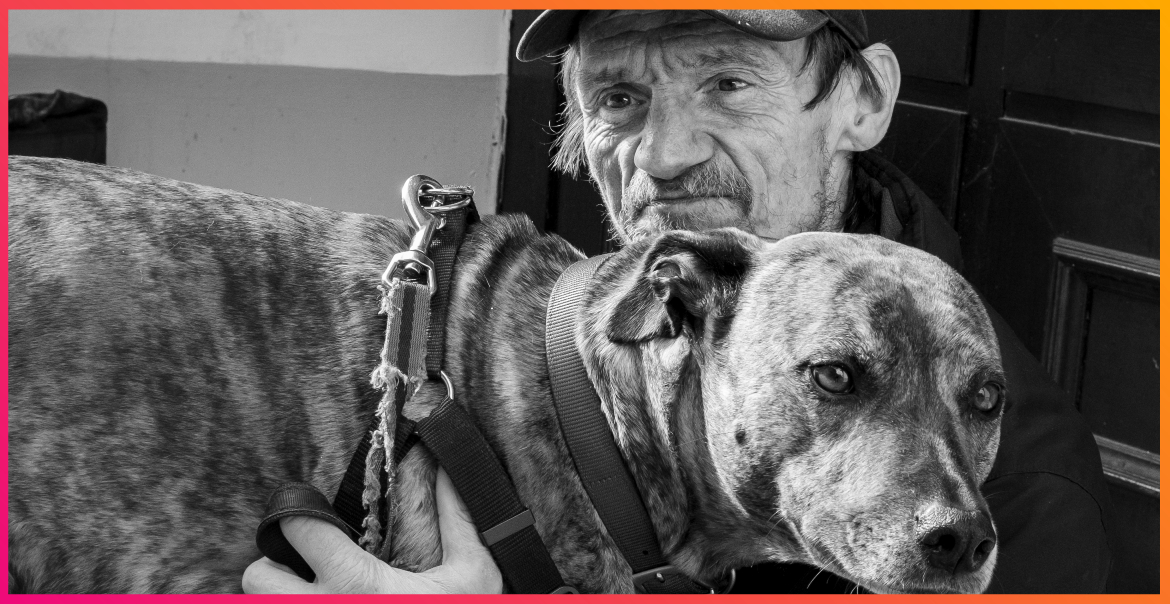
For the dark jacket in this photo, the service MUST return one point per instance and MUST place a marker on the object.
(1046, 490)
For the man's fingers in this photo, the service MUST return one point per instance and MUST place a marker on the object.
(267, 577)
(321, 544)
(467, 565)
(343, 567)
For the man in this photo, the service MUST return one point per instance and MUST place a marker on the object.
(764, 120)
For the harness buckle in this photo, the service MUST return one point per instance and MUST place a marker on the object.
(658, 575)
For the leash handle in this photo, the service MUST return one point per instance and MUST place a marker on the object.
(294, 499)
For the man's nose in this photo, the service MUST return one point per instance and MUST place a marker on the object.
(671, 141)
(955, 540)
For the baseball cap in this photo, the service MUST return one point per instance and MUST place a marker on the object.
(553, 30)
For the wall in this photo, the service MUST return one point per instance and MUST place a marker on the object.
(331, 108)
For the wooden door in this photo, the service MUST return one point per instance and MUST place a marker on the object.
(1036, 133)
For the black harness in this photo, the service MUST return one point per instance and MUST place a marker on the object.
(473, 467)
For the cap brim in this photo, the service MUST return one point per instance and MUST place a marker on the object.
(776, 25)
(552, 31)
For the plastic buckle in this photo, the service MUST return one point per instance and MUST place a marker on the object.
(654, 574)
(658, 574)
(507, 528)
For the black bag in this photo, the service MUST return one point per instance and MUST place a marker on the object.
(57, 124)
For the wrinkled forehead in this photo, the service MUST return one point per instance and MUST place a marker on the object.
(625, 41)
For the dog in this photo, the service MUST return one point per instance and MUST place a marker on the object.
(176, 352)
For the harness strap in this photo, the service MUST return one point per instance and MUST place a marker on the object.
(591, 444)
(348, 501)
(448, 432)
(445, 246)
(511, 535)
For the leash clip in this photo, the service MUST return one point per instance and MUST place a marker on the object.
(414, 264)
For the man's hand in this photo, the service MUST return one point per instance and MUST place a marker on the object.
(343, 567)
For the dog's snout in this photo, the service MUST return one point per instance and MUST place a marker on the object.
(955, 540)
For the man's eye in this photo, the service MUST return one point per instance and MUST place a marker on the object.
(618, 100)
(730, 84)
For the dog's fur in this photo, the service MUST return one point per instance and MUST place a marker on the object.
(178, 351)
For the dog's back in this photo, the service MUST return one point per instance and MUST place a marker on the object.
(139, 308)
(227, 340)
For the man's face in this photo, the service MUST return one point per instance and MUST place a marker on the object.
(692, 124)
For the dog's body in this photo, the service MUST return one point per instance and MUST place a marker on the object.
(176, 352)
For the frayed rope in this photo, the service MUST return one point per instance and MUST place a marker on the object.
(388, 378)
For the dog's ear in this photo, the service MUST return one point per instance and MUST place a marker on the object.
(683, 276)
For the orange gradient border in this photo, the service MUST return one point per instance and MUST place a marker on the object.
(676, 4)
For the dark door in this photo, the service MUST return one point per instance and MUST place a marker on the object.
(1036, 132)
(1037, 135)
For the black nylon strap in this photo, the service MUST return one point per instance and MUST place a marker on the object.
(404, 439)
(477, 474)
(347, 511)
(443, 250)
(587, 434)
(294, 499)
(348, 501)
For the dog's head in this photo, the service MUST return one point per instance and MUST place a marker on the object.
(851, 393)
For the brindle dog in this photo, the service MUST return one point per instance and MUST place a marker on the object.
(177, 351)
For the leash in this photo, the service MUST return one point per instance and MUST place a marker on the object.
(590, 441)
(417, 291)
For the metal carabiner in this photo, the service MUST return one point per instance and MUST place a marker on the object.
(422, 220)
(414, 262)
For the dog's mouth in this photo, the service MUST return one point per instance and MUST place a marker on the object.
(911, 580)
(889, 588)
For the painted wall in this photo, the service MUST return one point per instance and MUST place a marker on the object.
(332, 108)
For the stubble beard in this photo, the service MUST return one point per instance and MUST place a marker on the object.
(830, 198)
(632, 223)
(711, 180)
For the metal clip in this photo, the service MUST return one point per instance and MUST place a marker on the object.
(414, 264)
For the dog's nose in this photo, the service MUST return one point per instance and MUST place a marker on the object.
(955, 540)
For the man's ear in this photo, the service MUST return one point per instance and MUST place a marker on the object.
(682, 276)
(867, 117)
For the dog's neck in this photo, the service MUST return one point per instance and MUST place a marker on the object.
(652, 394)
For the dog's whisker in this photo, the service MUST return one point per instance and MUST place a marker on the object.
(814, 578)
(705, 437)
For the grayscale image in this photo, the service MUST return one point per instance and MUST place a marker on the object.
(583, 301)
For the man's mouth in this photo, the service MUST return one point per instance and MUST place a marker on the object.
(683, 200)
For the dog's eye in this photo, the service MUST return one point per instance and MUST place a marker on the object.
(988, 397)
(834, 379)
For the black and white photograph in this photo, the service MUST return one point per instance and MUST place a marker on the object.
(583, 301)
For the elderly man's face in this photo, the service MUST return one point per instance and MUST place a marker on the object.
(690, 123)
